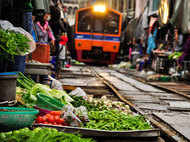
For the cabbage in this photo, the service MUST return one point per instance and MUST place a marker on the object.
(45, 90)
(59, 94)
(39, 88)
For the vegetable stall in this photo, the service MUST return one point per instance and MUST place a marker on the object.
(75, 112)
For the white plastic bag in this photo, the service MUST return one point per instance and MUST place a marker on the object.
(32, 43)
(55, 84)
(5, 24)
(82, 113)
(62, 54)
(79, 93)
(70, 117)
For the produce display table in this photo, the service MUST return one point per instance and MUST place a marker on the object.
(110, 136)
(38, 69)
(113, 121)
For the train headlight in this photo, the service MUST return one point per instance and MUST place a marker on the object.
(99, 8)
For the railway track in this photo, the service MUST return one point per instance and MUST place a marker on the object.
(164, 109)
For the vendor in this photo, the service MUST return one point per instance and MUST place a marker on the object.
(44, 33)
(151, 41)
(43, 29)
(151, 45)
(186, 52)
(178, 44)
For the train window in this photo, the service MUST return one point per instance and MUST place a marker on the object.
(84, 21)
(112, 23)
(108, 24)
(98, 24)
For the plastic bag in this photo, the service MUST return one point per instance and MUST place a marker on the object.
(82, 113)
(32, 43)
(62, 54)
(70, 117)
(5, 25)
(79, 93)
(55, 84)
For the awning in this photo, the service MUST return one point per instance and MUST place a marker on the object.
(181, 15)
(131, 28)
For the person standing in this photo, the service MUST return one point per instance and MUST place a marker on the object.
(44, 33)
(44, 30)
(58, 29)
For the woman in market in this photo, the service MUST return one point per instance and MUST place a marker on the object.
(43, 29)
(152, 43)
(44, 33)
(139, 49)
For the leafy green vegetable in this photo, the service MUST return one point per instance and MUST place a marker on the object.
(116, 121)
(25, 82)
(60, 95)
(12, 43)
(29, 97)
(40, 88)
(79, 101)
(40, 135)
(175, 55)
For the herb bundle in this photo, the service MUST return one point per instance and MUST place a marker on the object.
(12, 43)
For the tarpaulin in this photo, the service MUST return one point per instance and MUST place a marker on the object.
(131, 28)
(39, 4)
(142, 23)
(181, 15)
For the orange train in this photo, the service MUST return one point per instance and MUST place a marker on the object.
(97, 34)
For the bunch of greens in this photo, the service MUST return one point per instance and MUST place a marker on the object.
(116, 121)
(29, 97)
(25, 82)
(24, 97)
(40, 135)
(79, 101)
(12, 43)
(175, 55)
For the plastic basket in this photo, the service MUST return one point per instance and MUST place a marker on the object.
(42, 53)
(15, 118)
(49, 103)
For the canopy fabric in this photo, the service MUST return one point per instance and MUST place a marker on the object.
(181, 16)
(142, 24)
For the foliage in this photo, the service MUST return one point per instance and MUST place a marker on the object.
(40, 135)
(29, 96)
(175, 55)
(12, 43)
(79, 101)
(116, 121)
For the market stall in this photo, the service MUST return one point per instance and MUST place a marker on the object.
(74, 112)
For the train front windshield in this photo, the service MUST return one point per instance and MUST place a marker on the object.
(94, 23)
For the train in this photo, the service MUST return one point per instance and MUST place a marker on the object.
(98, 33)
